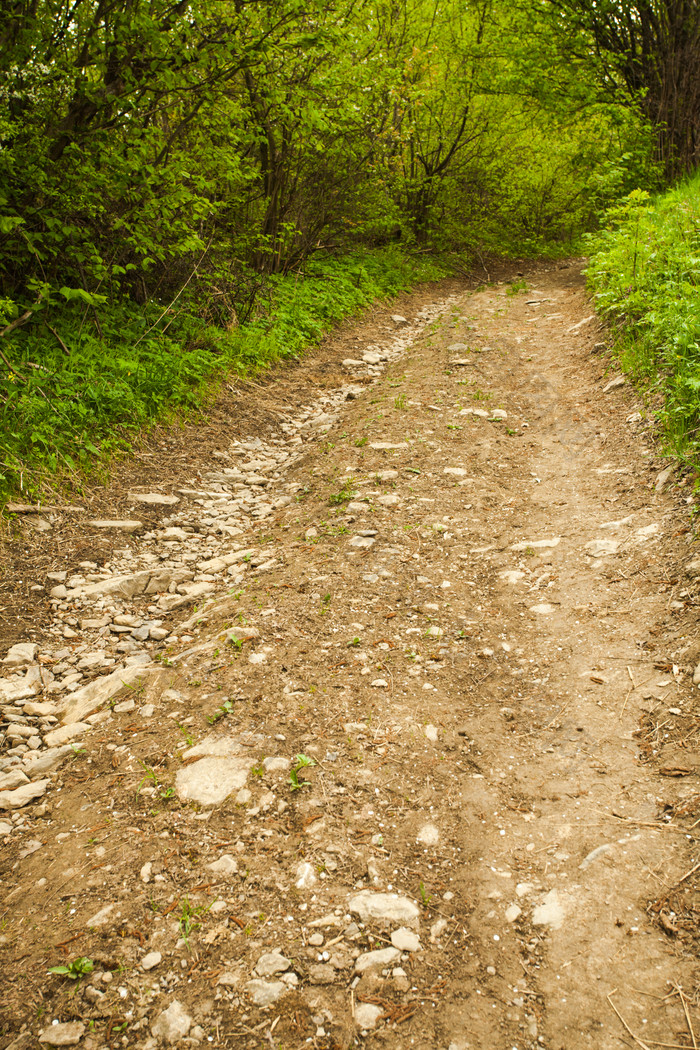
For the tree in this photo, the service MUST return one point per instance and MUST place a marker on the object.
(649, 52)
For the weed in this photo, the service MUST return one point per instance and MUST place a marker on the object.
(300, 762)
(354, 643)
(344, 494)
(75, 969)
(189, 739)
(258, 770)
(326, 599)
(225, 709)
(188, 920)
(425, 897)
(361, 442)
(516, 286)
(400, 402)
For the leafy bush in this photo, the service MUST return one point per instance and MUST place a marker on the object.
(81, 382)
(645, 274)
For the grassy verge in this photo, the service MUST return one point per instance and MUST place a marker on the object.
(645, 274)
(82, 383)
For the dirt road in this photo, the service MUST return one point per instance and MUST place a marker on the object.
(407, 754)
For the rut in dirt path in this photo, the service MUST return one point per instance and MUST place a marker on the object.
(382, 787)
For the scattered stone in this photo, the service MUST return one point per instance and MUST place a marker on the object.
(118, 526)
(67, 1034)
(614, 384)
(550, 912)
(405, 940)
(459, 472)
(367, 1016)
(225, 865)
(432, 734)
(63, 734)
(150, 961)
(543, 609)
(172, 1024)
(266, 993)
(389, 907)
(154, 499)
(428, 835)
(91, 697)
(306, 875)
(23, 795)
(20, 655)
(377, 960)
(602, 548)
(513, 913)
(536, 545)
(271, 963)
(663, 478)
(103, 916)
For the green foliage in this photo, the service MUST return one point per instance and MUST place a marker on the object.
(645, 273)
(60, 412)
(75, 969)
(190, 190)
(300, 762)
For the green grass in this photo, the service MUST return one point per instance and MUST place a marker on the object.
(645, 274)
(83, 384)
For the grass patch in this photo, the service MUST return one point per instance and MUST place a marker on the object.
(81, 382)
(645, 274)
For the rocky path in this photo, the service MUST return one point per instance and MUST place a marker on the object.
(360, 743)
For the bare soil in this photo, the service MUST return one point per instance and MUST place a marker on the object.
(501, 719)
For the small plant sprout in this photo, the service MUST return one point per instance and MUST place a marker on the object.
(221, 712)
(189, 918)
(425, 897)
(300, 762)
(75, 969)
(354, 642)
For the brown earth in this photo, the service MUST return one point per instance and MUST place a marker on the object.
(500, 716)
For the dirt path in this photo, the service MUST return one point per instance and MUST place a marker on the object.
(402, 676)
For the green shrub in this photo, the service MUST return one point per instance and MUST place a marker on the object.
(645, 275)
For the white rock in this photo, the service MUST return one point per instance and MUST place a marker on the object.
(614, 384)
(601, 548)
(104, 915)
(379, 683)
(543, 609)
(12, 779)
(67, 1034)
(211, 780)
(22, 796)
(117, 525)
(151, 960)
(45, 761)
(63, 734)
(21, 655)
(257, 658)
(91, 697)
(154, 499)
(225, 865)
(306, 875)
(367, 1016)
(513, 913)
(389, 907)
(550, 912)
(146, 872)
(276, 764)
(537, 544)
(428, 835)
(265, 993)
(405, 940)
(271, 963)
(458, 472)
(363, 542)
(390, 500)
(377, 960)
(172, 1024)
(431, 733)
